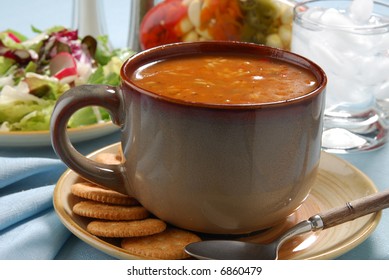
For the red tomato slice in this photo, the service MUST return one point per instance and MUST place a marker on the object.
(160, 25)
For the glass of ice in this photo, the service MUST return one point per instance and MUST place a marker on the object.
(350, 41)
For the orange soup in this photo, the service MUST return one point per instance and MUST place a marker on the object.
(225, 79)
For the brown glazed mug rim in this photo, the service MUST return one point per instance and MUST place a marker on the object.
(232, 47)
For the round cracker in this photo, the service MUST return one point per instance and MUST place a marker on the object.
(94, 192)
(98, 210)
(108, 158)
(168, 244)
(126, 228)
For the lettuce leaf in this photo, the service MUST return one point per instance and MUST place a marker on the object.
(13, 112)
(36, 120)
(5, 64)
(88, 116)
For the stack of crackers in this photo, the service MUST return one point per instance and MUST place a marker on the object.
(119, 216)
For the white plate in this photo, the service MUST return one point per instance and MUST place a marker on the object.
(337, 183)
(42, 138)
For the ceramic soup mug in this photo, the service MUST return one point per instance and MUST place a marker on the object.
(217, 137)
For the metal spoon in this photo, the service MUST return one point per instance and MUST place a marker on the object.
(239, 250)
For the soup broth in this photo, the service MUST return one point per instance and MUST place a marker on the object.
(225, 79)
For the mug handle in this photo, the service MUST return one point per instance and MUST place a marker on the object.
(108, 97)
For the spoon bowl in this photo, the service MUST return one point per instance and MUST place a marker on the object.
(231, 249)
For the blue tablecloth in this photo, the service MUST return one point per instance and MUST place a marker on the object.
(29, 226)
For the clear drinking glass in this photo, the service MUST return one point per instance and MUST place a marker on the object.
(138, 8)
(350, 41)
(88, 18)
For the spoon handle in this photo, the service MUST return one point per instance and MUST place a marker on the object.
(355, 209)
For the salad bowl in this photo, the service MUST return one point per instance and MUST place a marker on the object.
(35, 72)
(42, 138)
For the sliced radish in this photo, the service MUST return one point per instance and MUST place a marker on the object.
(65, 76)
(62, 66)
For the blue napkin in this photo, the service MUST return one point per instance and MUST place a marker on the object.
(29, 226)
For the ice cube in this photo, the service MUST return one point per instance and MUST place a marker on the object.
(333, 17)
(347, 92)
(360, 10)
(382, 92)
(375, 69)
(313, 14)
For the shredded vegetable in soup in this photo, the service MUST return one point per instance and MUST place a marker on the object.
(225, 79)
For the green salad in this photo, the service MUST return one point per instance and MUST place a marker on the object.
(34, 72)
